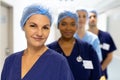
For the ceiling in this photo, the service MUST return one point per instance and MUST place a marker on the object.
(58, 5)
(107, 5)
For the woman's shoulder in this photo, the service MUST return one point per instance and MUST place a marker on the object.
(85, 46)
(12, 56)
(82, 43)
(92, 38)
(55, 55)
(52, 43)
(91, 35)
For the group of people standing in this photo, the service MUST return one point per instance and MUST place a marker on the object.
(78, 54)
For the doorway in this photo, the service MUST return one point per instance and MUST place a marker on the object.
(6, 31)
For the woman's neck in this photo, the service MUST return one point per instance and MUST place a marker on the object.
(81, 32)
(64, 40)
(35, 51)
(67, 45)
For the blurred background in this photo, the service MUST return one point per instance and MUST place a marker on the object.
(12, 37)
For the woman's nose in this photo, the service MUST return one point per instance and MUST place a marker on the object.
(68, 27)
(39, 32)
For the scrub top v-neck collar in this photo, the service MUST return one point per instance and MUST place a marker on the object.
(33, 68)
(63, 53)
(73, 50)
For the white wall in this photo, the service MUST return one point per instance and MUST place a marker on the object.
(114, 27)
(102, 22)
(18, 34)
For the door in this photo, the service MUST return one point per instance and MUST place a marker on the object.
(6, 39)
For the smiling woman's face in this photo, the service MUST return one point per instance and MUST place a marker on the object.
(67, 27)
(37, 29)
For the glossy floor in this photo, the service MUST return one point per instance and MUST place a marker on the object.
(114, 69)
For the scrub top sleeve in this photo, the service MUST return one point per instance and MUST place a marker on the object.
(112, 44)
(4, 71)
(96, 72)
(66, 73)
(6, 67)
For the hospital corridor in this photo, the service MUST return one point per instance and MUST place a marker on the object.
(12, 37)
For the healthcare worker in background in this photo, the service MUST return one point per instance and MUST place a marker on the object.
(106, 42)
(85, 35)
(81, 56)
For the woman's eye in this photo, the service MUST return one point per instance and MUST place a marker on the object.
(79, 16)
(63, 24)
(46, 27)
(73, 24)
(32, 25)
(84, 16)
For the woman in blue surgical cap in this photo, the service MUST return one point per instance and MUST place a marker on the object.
(36, 62)
(81, 56)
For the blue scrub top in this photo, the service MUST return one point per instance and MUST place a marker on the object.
(50, 66)
(81, 53)
(107, 46)
(93, 40)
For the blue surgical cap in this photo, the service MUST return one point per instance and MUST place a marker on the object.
(95, 12)
(83, 10)
(67, 14)
(34, 9)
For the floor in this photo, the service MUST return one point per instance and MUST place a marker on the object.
(114, 69)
